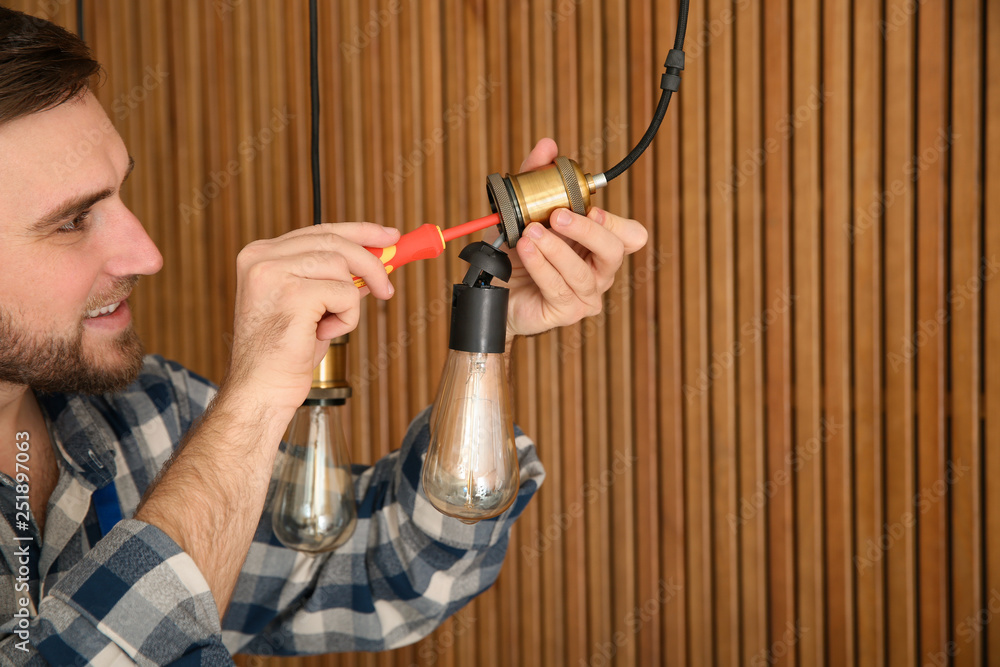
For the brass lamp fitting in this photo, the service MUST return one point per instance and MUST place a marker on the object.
(532, 196)
(330, 377)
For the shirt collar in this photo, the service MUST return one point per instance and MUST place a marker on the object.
(81, 434)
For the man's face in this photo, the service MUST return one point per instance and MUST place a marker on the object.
(69, 248)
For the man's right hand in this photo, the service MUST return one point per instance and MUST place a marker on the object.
(294, 294)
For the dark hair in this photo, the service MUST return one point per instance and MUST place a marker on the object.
(41, 65)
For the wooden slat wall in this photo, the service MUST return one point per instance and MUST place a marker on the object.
(773, 446)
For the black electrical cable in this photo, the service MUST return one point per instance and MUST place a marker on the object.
(669, 83)
(314, 103)
(79, 20)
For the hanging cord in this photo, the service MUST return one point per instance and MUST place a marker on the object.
(314, 103)
(669, 82)
(79, 20)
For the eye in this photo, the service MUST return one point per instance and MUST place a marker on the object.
(77, 224)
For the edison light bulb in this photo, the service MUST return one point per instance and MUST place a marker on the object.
(313, 506)
(471, 468)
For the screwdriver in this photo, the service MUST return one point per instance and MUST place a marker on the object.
(425, 242)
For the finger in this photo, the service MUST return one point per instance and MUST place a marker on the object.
(346, 261)
(576, 279)
(550, 282)
(334, 306)
(289, 246)
(307, 302)
(333, 325)
(632, 234)
(361, 233)
(606, 250)
(544, 152)
(318, 238)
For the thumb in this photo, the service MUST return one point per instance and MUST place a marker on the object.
(544, 152)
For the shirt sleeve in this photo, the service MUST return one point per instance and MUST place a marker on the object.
(136, 597)
(406, 568)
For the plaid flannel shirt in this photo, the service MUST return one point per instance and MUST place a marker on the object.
(77, 598)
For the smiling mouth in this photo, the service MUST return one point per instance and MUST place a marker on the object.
(105, 310)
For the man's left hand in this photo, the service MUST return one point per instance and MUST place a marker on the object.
(560, 274)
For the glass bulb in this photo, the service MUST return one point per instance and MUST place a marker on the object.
(313, 507)
(471, 469)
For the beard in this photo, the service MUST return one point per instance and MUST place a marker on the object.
(61, 364)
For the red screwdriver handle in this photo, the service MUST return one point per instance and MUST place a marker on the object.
(424, 242)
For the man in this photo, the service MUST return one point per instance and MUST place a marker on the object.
(195, 575)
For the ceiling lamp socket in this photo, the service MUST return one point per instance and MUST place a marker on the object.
(330, 377)
(532, 196)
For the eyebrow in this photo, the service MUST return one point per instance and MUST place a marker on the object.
(78, 205)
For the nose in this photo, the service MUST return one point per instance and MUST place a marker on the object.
(132, 252)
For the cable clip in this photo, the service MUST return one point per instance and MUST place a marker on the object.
(675, 63)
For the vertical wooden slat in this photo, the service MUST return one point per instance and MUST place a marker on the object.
(620, 385)
(834, 431)
(802, 127)
(721, 335)
(597, 615)
(932, 231)
(395, 367)
(222, 209)
(479, 93)
(228, 140)
(895, 541)
(129, 124)
(967, 274)
(451, 34)
(333, 158)
(374, 207)
(566, 35)
(275, 204)
(434, 319)
(865, 234)
(149, 203)
(192, 176)
(293, 207)
(264, 70)
(543, 124)
(498, 153)
(242, 122)
(333, 153)
(697, 437)
(360, 143)
(991, 317)
(514, 598)
(410, 196)
(750, 517)
(643, 58)
(777, 286)
(670, 325)
(596, 367)
(529, 617)
(166, 179)
(361, 433)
